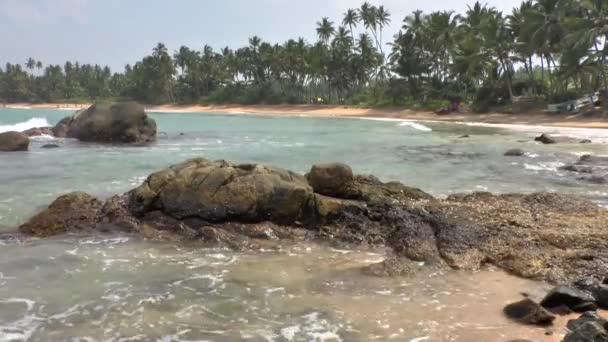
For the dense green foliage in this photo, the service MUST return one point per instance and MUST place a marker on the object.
(548, 50)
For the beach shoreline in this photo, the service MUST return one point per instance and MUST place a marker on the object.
(528, 119)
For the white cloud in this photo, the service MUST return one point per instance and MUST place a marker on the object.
(44, 11)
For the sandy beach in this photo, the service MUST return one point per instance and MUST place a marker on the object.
(536, 119)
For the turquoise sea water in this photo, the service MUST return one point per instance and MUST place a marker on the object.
(113, 288)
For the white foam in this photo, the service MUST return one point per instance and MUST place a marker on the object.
(22, 126)
(415, 125)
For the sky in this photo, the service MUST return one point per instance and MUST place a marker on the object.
(117, 32)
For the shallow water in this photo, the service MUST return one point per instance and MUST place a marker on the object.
(123, 288)
(117, 288)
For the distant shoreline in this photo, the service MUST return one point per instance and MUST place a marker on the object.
(534, 119)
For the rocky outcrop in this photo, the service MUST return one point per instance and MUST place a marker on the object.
(13, 141)
(540, 236)
(109, 123)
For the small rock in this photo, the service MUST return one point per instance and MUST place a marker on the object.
(464, 136)
(529, 312)
(591, 331)
(545, 139)
(576, 300)
(516, 152)
(50, 146)
(586, 141)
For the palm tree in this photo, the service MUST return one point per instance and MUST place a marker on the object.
(383, 18)
(30, 64)
(325, 30)
(351, 19)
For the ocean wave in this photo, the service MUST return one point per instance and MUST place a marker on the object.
(415, 125)
(25, 125)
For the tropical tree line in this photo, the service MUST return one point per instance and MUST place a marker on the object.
(544, 50)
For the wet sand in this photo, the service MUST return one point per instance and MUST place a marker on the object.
(536, 119)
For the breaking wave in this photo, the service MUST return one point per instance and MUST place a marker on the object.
(25, 125)
(417, 126)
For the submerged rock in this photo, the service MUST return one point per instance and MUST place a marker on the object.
(545, 139)
(109, 123)
(49, 146)
(13, 141)
(528, 311)
(516, 152)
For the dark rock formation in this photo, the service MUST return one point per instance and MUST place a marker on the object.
(572, 298)
(529, 312)
(109, 123)
(545, 139)
(588, 331)
(540, 236)
(516, 152)
(13, 141)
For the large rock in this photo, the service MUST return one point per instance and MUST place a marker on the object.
(109, 123)
(72, 212)
(221, 191)
(13, 141)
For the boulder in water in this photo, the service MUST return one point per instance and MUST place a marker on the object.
(125, 122)
(545, 139)
(528, 311)
(14, 141)
(516, 152)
